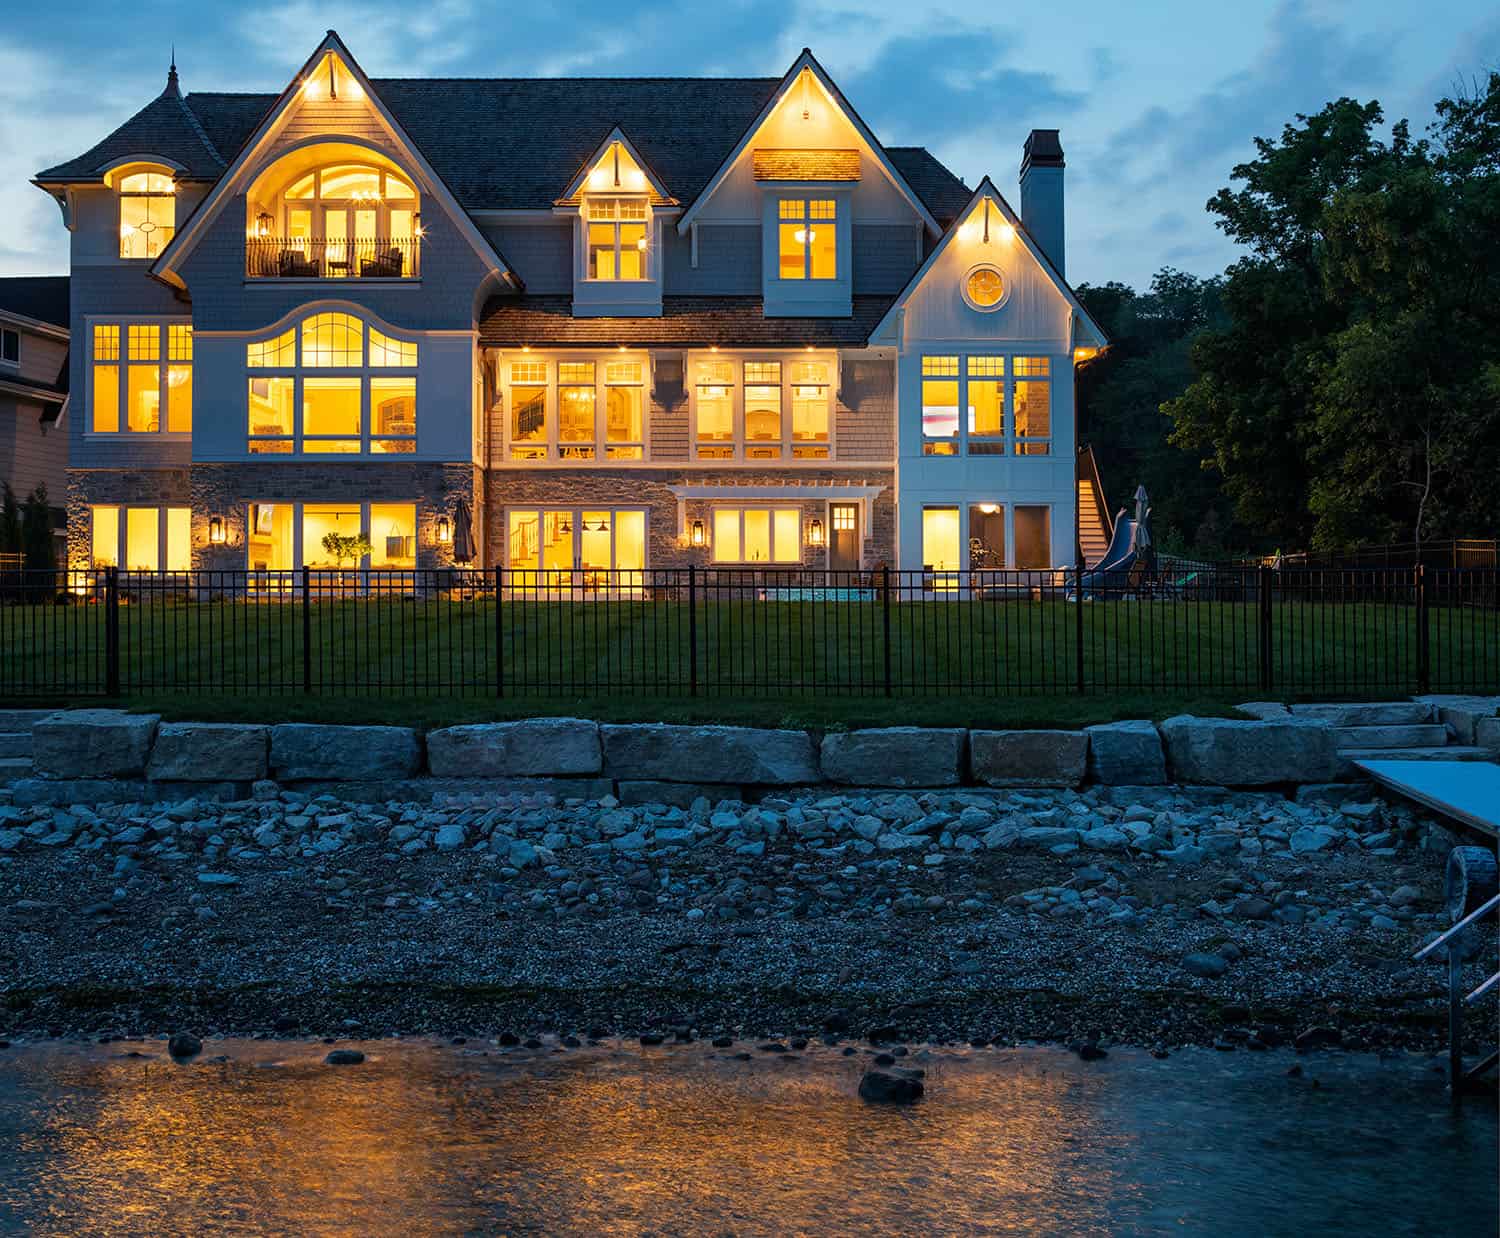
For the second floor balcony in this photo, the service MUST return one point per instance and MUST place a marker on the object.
(281, 257)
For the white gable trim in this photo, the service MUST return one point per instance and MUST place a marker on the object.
(166, 266)
(888, 331)
(575, 186)
(808, 61)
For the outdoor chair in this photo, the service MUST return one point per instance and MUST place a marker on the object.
(386, 264)
(294, 265)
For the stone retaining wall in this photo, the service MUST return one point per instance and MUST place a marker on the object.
(97, 754)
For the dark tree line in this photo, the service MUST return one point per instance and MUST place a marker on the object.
(1340, 383)
(26, 527)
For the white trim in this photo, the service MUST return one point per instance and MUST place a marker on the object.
(552, 407)
(576, 185)
(738, 442)
(122, 532)
(761, 495)
(806, 60)
(122, 362)
(364, 505)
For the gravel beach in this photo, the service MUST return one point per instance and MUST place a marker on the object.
(1153, 916)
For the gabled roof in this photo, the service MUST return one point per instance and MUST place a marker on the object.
(166, 128)
(770, 164)
(208, 209)
(987, 189)
(43, 298)
(659, 193)
(511, 143)
(685, 322)
(808, 63)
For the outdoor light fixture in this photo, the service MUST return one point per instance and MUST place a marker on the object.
(216, 530)
(263, 224)
(815, 532)
(444, 530)
(989, 509)
(698, 534)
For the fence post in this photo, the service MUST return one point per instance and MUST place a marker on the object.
(692, 629)
(499, 633)
(1424, 649)
(1078, 625)
(885, 621)
(306, 630)
(111, 631)
(1263, 583)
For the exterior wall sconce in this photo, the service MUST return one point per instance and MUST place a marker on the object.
(216, 532)
(444, 530)
(698, 535)
(263, 224)
(815, 532)
(417, 224)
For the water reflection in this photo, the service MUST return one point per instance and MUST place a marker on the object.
(424, 1139)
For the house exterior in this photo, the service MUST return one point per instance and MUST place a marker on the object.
(613, 323)
(34, 373)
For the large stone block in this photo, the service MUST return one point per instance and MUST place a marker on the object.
(208, 752)
(1487, 734)
(1462, 713)
(1227, 752)
(895, 756)
(1126, 754)
(732, 754)
(1028, 758)
(533, 747)
(93, 743)
(301, 750)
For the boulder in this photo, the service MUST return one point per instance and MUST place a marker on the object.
(208, 752)
(1028, 758)
(730, 754)
(528, 748)
(882, 1087)
(92, 743)
(1228, 752)
(301, 750)
(1206, 965)
(1462, 713)
(1126, 754)
(897, 756)
(1487, 734)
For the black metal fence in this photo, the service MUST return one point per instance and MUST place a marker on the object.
(747, 632)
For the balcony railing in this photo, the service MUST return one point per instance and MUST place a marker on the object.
(278, 257)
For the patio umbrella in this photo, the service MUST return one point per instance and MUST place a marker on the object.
(1140, 536)
(463, 534)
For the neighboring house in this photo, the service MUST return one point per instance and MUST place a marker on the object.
(34, 387)
(638, 322)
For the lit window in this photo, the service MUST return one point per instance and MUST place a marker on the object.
(385, 351)
(272, 425)
(105, 536)
(141, 539)
(714, 433)
(331, 415)
(135, 399)
(344, 221)
(762, 410)
(939, 406)
(810, 410)
(528, 410)
(575, 409)
(984, 288)
(567, 548)
(616, 238)
(624, 410)
(393, 416)
(148, 214)
(1033, 407)
(807, 238)
(986, 401)
(330, 532)
(279, 352)
(757, 535)
(940, 545)
(335, 340)
(986, 536)
(393, 535)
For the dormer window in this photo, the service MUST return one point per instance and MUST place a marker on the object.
(148, 214)
(617, 238)
(808, 236)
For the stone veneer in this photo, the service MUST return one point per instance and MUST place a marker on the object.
(87, 487)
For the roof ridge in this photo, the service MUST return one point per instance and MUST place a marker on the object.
(197, 127)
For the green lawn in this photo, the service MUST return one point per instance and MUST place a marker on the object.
(1012, 662)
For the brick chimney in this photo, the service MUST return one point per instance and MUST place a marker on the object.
(1042, 193)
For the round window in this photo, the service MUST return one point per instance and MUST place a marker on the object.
(984, 288)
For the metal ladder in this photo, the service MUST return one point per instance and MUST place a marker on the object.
(1470, 879)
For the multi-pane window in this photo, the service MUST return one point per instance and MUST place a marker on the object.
(762, 410)
(942, 551)
(568, 547)
(282, 536)
(574, 410)
(624, 410)
(154, 394)
(999, 409)
(810, 415)
(757, 535)
(316, 389)
(148, 214)
(713, 435)
(141, 539)
(807, 238)
(528, 410)
(616, 238)
(577, 402)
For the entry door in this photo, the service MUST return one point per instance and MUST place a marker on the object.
(843, 550)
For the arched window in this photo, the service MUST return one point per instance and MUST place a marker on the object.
(331, 385)
(148, 214)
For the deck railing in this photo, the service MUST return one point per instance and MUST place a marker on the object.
(728, 632)
(279, 257)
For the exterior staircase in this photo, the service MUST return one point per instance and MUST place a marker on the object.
(1095, 527)
(15, 741)
(1392, 731)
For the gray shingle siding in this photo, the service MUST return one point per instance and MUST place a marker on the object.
(728, 261)
(885, 255)
(541, 254)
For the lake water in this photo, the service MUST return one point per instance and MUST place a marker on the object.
(435, 1139)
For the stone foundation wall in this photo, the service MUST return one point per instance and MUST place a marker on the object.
(90, 487)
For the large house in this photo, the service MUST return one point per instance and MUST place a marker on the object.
(603, 323)
(34, 371)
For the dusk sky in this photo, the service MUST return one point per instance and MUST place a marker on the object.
(1155, 102)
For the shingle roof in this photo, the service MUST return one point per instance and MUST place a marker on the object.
(507, 143)
(771, 164)
(685, 322)
(165, 127)
(43, 297)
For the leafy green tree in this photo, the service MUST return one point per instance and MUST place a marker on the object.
(352, 547)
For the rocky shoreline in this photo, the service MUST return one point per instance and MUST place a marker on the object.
(1156, 916)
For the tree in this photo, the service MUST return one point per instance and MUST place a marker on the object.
(10, 523)
(36, 530)
(352, 546)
